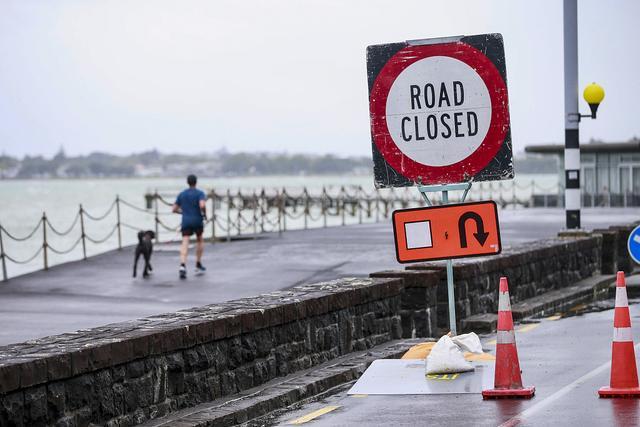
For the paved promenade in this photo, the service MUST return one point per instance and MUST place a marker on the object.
(567, 360)
(98, 291)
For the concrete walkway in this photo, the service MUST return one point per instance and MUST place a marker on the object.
(98, 291)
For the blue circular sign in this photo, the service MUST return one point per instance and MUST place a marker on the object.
(633, 244)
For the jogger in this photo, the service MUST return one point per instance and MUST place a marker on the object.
(191, 203)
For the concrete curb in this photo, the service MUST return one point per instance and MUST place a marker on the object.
(279, 394)
(633, 285)
(587, 290)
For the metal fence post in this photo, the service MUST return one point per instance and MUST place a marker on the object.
(213, 216)
(82, 234)
(119, 223)
(2, 256)
(278, 208)
(324, 206)
(283, 203)
(343, 199)
(306, 208)
(228, 215)
(533, 193)
(255, 214)
(157, 219)
(359, 199)
(263, 213)
(44, 241)
(239, 213)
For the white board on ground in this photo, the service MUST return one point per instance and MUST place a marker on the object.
(398, 377)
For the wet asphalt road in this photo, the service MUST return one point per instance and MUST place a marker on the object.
(100, 290)
(567, 360)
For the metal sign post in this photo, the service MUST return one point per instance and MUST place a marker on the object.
(424, 190)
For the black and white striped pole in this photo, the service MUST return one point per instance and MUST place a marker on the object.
(593, 94)
(571, 116)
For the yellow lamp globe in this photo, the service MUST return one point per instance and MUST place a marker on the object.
(593, 94)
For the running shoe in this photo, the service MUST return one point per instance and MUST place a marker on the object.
(183, 272)
(200, 268)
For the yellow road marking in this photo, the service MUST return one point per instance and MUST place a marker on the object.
(529, 327)
(554, 317)
(479, 357)
(578, 307)
(314, 415)
(358, 395)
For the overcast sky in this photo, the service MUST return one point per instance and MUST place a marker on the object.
(278, 75)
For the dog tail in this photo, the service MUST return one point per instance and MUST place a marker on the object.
(140, 236)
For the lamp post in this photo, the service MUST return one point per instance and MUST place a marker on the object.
(593, 94)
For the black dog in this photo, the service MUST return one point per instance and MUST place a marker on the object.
(145, 248)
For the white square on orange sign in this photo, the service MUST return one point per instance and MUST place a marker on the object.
(418, 234)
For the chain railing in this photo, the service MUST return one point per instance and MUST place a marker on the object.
(230, 215)
(249, 213)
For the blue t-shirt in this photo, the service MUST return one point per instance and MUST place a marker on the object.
(189, 202)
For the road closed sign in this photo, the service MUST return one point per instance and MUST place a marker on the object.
(439, 111)
(446, 232)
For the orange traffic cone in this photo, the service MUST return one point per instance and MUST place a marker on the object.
(508, 381)
(624, 374)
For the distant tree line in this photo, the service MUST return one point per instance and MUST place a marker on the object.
(154, 163)
(284, 164)
(221, 163)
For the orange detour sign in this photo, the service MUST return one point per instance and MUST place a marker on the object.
(445, 232)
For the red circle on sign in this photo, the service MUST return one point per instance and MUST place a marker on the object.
(475, 162)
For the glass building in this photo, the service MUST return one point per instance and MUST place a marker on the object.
(609, 172)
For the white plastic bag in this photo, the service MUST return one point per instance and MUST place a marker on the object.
(446, 358)
(468, 342)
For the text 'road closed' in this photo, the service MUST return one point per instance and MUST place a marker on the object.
(444, 232)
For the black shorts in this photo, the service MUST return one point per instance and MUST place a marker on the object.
(188, 231)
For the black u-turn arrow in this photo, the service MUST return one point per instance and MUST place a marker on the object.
(480, 236)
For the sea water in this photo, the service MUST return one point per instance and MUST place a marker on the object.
(23, 203)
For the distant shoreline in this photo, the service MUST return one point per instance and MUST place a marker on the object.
(202, 177)
(219, 165)
(205, 177)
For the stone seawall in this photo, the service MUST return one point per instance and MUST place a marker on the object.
(532, 269)
(419, 302)
(615, 256)
(125, 373)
